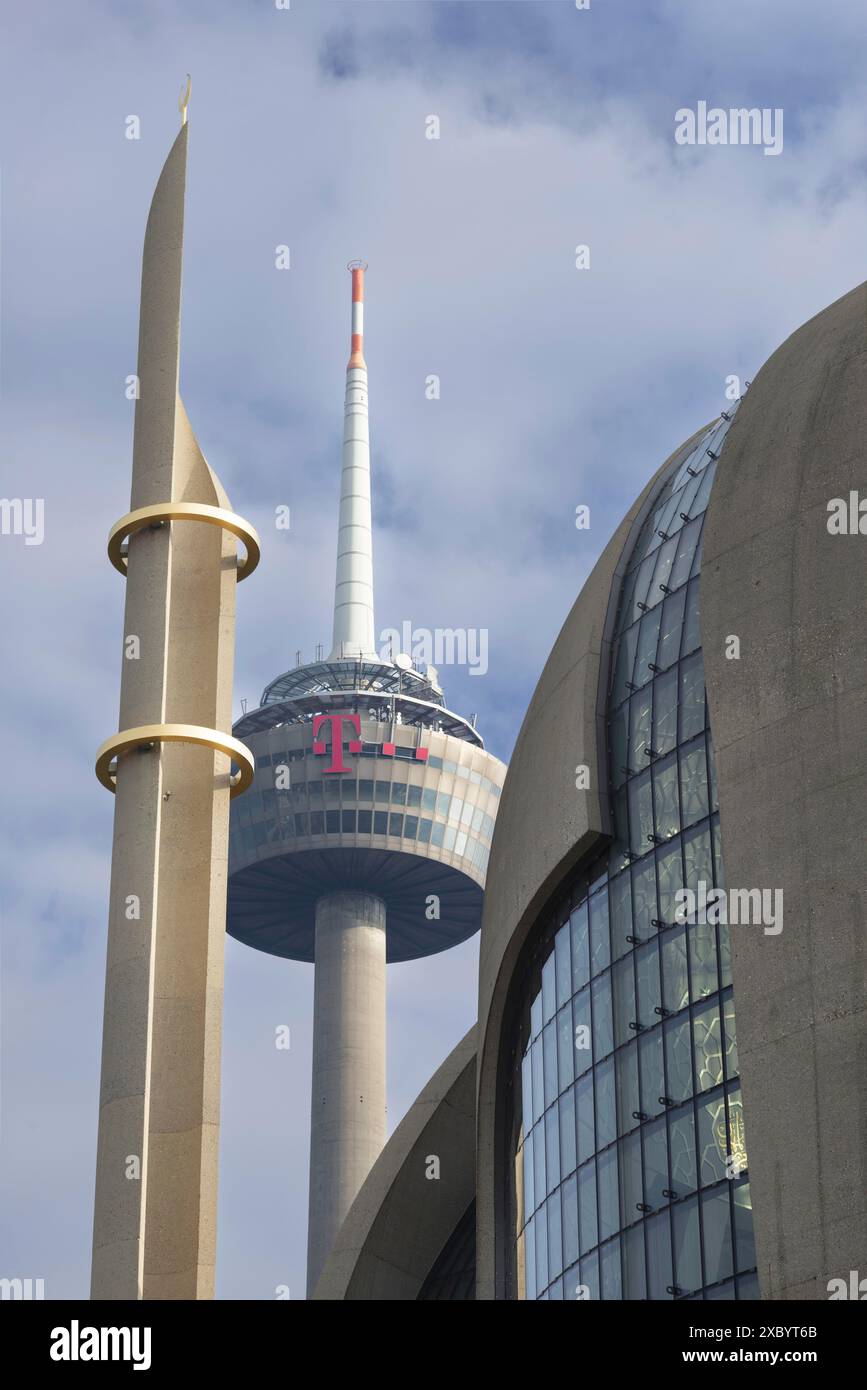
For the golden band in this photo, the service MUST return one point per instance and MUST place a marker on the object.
(176, 733)
(184, 511)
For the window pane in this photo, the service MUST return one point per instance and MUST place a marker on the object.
(563, 965)
(552, 1148)
(609, 1270)
(691, 697)
(609, 1203)
(655, 1163)
(580, 947)
(712, 1140)
(665, 711)
(716, 1225)
(665, 798)
(687, 1250)
(631, 1193)
(708, 1048)
(600, 946)
(587, 1206)
(744, 1239)
(603, 1025)
(565, 1048)
(627, 1087)
(606, 1119)
(570, 1222)
(568, 1155)
(674, 970)
(658, 1237)
(633, 1261)
(584, 1116)
(670, 630)
(693, 784)
(683, 1172)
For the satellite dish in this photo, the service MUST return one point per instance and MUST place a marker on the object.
(403, 662)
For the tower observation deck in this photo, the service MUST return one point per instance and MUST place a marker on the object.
(364, 838)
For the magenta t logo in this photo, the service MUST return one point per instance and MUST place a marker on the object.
(336, 722)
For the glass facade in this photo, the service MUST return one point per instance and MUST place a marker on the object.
(625, 1124)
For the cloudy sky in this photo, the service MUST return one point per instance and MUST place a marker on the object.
(558, 387)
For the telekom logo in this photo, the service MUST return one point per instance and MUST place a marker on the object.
(336, 721)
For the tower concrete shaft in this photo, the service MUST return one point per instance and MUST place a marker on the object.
(154, 1227)
(348, 1099)
(353, 593)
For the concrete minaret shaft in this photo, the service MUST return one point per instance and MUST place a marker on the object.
(154, 1225)
(353, 594)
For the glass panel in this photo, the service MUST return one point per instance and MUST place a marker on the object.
(744, 1239)
(585, 1120)
(687, 1249)
(606, 1118)
(587, 1206)
(670, 630)
(640, 718)
(669, 874)
(631, 1193)
(549, 1056)
(580, 947)
(678, 1060)
(568, 1154)
(563, 966)
(658, 1238)
(691, 619)
(609, 1200)
(708, 1049)
(691, 697)
(549, 990)
(640, 813)
(565, 1048)
(644, 899)
(530, 1259)
(665, 797)
(627, 1087)
(633, 1262)
(540, 1225)
(716, 1225)
(618, 735)
(555, 1237)
(712, 1140)
(693, 784)
(539, 1163)
(675, 980)
(600, 945)
(665, 711)
(652, 1076)
(662, 573)
(647, 972)
(648, 636)
(655, 1163)
(603, 1024)
(538, 1080)
(685, 552)
(527, 1155)
(621, 914)
(527, 1093)
(609, 1270)
(623, 980)
(570, 1222)
(552, 1148)
(683, 1171)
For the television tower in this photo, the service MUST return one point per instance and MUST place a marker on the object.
(364, 838)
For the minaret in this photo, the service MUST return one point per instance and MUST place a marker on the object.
(353, 592)
(154, 1228)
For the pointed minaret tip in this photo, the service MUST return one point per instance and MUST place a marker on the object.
(184, 99)
(357, 354)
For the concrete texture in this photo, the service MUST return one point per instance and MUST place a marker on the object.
(348, 1095)
(788, 723)
(155, 1234)
(401, 1219)
(544, 827)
